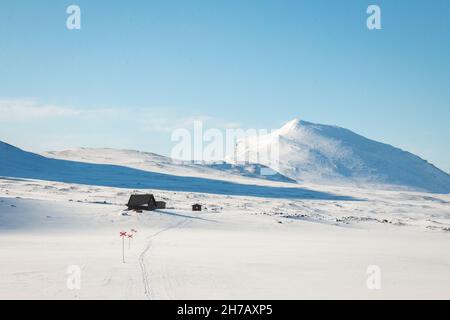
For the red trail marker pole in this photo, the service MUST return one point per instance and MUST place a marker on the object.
(130, 237)
(123, 234)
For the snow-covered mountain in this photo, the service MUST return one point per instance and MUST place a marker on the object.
(157, 163)
(307, 152)
(327, 154)
(138, 170)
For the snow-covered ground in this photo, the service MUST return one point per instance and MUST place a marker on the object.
(240, 247)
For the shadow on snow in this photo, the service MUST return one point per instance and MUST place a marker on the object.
(42, 168)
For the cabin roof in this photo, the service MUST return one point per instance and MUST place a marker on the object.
(141, 199)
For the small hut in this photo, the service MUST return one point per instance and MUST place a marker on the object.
(196, 207)
(142, 202)
(160, 205)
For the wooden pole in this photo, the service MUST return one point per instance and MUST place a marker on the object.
(123, 249)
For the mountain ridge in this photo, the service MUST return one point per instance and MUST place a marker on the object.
(308, 153)
(16, 163)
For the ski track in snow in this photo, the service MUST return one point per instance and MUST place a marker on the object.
(142, 255)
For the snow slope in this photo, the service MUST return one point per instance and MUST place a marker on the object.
(17, 163)
(153, 162)
(324, 154)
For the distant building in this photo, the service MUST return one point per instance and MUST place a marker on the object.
(142, 202)
(196, 207)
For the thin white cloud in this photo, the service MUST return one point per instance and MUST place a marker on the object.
(21, 110)
(29, 109)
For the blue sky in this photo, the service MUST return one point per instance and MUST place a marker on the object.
(138, 69)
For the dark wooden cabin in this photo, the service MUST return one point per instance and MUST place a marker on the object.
(160, 205)
(196, 207)
(142, 202)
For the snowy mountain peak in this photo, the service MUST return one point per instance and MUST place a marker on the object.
(301, 127)
(328, 154)
(289, 126)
